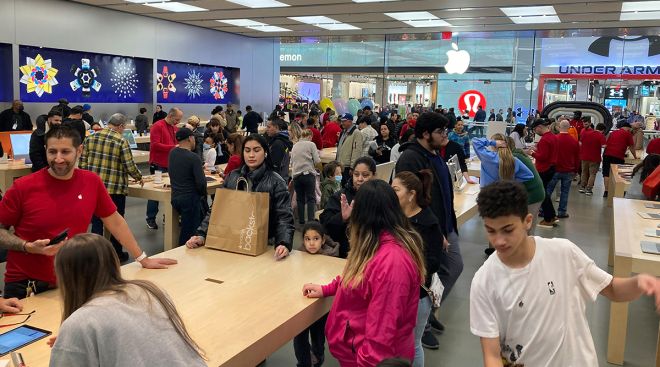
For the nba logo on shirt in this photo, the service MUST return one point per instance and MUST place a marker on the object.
(551, 288)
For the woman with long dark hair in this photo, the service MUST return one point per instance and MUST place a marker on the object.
(337, 210)
(414, 193)
(257, 169)
(110, 321)
(375, 307)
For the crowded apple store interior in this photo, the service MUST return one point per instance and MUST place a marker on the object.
(329, 183)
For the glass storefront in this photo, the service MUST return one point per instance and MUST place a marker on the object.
(520, 70)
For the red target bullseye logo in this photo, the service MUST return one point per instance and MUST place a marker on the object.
(471, 100)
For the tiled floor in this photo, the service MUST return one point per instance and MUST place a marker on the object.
(588, 227)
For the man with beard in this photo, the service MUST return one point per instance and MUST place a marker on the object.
(38, 140)
(422, 153)
(42, 205)
(15, 118)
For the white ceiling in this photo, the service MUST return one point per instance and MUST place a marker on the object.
(463, 15)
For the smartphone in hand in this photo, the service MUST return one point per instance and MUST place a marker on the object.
(59, 238)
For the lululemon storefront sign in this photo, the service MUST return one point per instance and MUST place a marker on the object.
(471, 100)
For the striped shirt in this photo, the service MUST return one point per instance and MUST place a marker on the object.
(107, 154)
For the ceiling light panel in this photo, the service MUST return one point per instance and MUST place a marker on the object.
(325, 23)
(640, 10)
(532, 14)
(253, 24)
(175, 7)
(419, 19)
(412, 15)
(259, 3)
(146, 1)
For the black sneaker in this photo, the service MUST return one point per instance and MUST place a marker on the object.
(605, 194)
(151, 224)
(589, 192)
(582, 190)
(562, 216)
(436, 326)
(429, 341)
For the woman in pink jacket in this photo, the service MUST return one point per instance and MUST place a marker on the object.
(376, 297)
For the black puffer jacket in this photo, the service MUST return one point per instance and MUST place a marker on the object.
(280, 217)
(331, 217)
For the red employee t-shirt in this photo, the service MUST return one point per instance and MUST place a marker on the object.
(653, 147)
(40, 206)
(591, 143)
(546, 152)
(617, 143)
(568, 153)
(330, 134)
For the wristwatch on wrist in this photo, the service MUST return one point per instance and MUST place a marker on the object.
(141, 257)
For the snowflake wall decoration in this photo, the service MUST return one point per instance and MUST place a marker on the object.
(124, 80)
(38, 75)
(162, 79)
(219, 85)
(85, 78)
(193, 84)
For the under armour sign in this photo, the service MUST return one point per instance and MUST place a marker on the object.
(471, 100)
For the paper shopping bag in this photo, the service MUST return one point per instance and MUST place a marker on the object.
(239, 222)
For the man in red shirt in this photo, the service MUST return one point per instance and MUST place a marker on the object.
(42, 205)
(568, 161)
(330, 134)
(653, 147)
(316, 134)
(162, 139)
(577, 122)
(591, 142)
(615, 151)
(545, 154)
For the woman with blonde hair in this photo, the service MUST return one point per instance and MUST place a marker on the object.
(375, 307)
(498, 162)
(110, 321)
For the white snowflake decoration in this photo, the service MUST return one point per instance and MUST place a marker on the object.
(193, 84)
(124, 80)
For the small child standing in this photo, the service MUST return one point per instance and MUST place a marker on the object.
(331, 181)
(210, 152)
(315, 241)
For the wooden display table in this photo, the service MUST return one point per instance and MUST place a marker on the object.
(328, 155)
(256, 309)
(627, 232)
(144, 139)
(618, 185)
(164, 196)
(641, 154)
(140, 156)
(465, 203)
(474, 167)
(10, 171)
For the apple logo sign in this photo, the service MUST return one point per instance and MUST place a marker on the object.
(458, 61)
(532, 83)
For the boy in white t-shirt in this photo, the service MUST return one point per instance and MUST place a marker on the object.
(527, 303)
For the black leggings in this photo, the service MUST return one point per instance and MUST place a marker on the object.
(548, 209)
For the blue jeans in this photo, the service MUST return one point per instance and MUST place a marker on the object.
(451, 264)
(192, 210)
(566, 178)
(423, 312)
(152, 206)
(97, 224)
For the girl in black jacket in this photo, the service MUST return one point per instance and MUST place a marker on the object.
(257, 169)
(339, 206)
(414, 192)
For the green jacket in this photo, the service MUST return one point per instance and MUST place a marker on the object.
(328, 187)
(534, 187)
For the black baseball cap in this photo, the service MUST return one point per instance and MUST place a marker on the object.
(183, 134)
(539, 122)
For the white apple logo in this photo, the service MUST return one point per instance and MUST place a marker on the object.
(458, 61)
(532, 83)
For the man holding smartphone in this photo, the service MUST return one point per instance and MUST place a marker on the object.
(41, 205)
